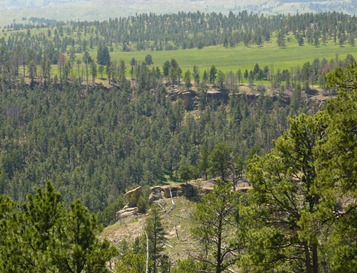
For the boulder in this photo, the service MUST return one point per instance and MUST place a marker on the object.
(126, 212)
(155, 194)
(132, 197)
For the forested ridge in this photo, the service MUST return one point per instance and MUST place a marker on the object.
(45, 50)
(96, 143)
(184, 30)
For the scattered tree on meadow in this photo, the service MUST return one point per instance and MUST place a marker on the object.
(212, 74)
(87, 60)
(196, 75)
(103, 56)
(148, 60)
(187, 79)
(93, 70)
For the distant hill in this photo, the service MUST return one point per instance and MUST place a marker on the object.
(103, 9)
(36, 3)
(294, 6)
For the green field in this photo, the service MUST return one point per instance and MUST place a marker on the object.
(242, 57)
(232, 59)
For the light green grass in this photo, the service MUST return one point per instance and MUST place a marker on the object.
(232, 59)
(242, 57)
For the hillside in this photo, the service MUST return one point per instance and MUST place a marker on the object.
(112, 134)
(177, 218)
(104, 9)
(177, 225)
(119, 131)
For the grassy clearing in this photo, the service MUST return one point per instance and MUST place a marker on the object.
(229, 59)
(242, 57)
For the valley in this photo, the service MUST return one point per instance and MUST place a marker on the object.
(136, 138)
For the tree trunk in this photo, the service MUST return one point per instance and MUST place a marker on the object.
(219, 247)
(147, 254)
(307, 258)
(315, 261)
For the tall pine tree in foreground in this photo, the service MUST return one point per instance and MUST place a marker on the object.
(43, 236)
(283, 195)
(302, 211)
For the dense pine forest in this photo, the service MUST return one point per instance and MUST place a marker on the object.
(77, 125)
(186, 30)
(96, 143)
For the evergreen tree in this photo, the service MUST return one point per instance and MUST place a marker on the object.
(148, 60)
(93, 70)
(196, 75)
(215, 221)
(336, 171)
(79, 249)
(187, 78)
(220, 160)
(87, 59)
(103, 56)
(45, 237)
(156, 238)
(283, 197)
(212, 74)
(203, 162)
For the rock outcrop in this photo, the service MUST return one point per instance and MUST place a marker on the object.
(131, 207)
(132, 197)
(156, 193)
(126, 212)
(159, 192)
(188, 97)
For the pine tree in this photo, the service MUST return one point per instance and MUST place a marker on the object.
(45, 237)
(216, 228)
(77, 248)
(157, 238)
(103, 56)
(220, 160)
(212, 74)
(283, 198)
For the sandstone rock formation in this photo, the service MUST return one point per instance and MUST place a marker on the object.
(131, 208)
(155, 194)
(159, 192)
(132, 197)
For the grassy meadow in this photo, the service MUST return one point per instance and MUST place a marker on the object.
(242, 57)
(230, 59)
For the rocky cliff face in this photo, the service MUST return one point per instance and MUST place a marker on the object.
(160, 192)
